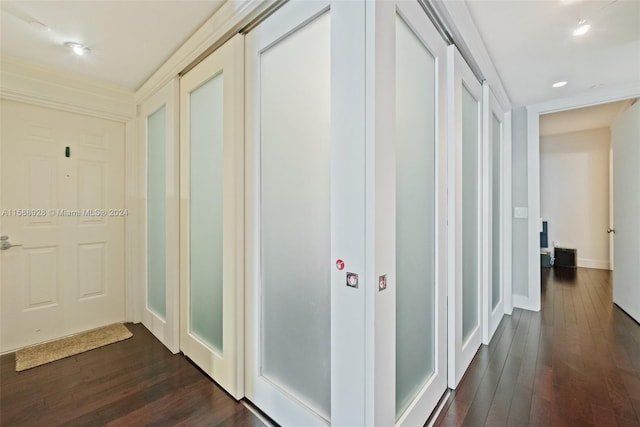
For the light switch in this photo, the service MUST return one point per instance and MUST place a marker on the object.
(520, 212)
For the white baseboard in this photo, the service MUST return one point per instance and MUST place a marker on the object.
(524, 302)
(594, 263)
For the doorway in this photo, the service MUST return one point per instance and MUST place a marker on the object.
(63, 216)
(576, 182)
(533, 126)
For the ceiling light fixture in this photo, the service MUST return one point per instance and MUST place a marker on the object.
(77, 48)
(582, 29)
(559, 84)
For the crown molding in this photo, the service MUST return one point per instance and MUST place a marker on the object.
(24, 81)
(457, 19)
(232, 17)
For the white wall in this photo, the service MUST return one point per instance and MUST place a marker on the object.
(574, 193)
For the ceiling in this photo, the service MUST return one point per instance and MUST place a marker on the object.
(532, 46)
(129, 40)
(579, 119)
(529, 41)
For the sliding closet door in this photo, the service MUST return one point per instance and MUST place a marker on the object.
(421, 322)
(159, 128)
(465, 220)
(305, 205)
(493, 305)
(211, 215)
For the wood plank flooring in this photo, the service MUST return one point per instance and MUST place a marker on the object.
(575, 363)
(131, 383)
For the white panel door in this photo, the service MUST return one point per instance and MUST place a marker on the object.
(625, 144)
(305, 212)
(158, 125)
(211, 215)
(62, 199)
(421, 209)
(493, 226)
(465, 216)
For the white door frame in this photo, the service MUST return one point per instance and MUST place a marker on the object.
(460, 354)
(167, 329)
(532, 300)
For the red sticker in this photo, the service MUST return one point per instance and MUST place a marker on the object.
(340, 264)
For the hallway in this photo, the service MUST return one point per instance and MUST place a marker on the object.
(577, 362)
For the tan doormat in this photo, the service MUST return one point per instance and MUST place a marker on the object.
(40, 354)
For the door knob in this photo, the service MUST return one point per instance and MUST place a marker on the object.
(611, 230)
(5, 244)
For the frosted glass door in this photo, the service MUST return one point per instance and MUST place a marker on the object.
(211, 192)
(493, 298)
(305, 181)
(496, 210)
(205, 213)
(470, 214)
(465, 217)
(156, 212)
(295, 220)
(160, 308)
(420, 147)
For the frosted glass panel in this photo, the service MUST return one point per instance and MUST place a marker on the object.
(205, 221)
(470, 179)
(156, 210)
(496, 147)
(295, 211)
(415, 216)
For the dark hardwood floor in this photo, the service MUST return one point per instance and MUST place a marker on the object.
(131, 383)
(575, 363)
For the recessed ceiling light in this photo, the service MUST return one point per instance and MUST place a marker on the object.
(582, 29)
(559, 84)
(77, 48)
(39, 26)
